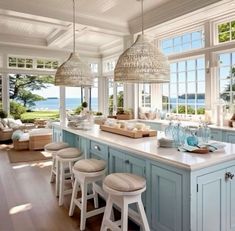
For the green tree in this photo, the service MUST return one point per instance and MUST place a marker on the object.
(21, 87)
(28, 98)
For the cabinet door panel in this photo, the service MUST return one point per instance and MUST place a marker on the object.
(57, 134)
(116, 161)
(229, 137)
(216, 135)
(231, 201)
(211, 202)
(166, 198)
(135, 165)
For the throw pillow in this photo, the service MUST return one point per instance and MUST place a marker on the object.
(16, 135)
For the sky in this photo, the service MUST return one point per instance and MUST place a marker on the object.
(53, 91)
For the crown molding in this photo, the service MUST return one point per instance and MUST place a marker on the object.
(167, 12)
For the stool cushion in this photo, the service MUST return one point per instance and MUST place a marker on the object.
(55, 146)
(125, 182)
(90, 165)
(69, 153)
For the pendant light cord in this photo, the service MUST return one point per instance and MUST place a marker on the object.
(73, 26)
(142, 16)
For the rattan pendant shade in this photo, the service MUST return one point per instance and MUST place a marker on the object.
(73, 72)
(142, 63)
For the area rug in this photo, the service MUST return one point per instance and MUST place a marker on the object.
(27, 155)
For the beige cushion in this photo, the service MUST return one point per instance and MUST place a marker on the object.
(69, 153)
(124, 182)
(90, 165)
(56, 146)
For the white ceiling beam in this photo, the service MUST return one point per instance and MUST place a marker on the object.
(22, 40)
(166, 12)
(59, 38)
(21, 18)
(42, 10)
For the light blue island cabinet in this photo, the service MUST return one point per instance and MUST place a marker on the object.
(184, 191)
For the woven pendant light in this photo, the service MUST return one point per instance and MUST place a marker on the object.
(73, 72)
(142, 62)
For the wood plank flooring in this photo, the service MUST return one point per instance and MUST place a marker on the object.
(28, 202)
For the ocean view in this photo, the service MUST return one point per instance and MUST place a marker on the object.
(71, 103)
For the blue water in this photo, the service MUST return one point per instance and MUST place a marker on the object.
(71, 103)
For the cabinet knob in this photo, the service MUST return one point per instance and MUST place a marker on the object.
(96, 147)
(229, 175)
(127, 161)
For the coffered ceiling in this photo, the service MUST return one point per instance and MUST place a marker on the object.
(99, 23)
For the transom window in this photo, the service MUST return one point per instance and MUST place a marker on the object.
(18, 62)
(46, 64)
(30, 63)
(226, 74)
(181, 43)
(226, 31)
(185, 94)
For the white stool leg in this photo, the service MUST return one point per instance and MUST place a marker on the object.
(145, 225)
(52, 176)
(84, 205)
(96, 203)
(107, 213)
(61, 192)
(74, 196)
(124, 219)
(57, 182)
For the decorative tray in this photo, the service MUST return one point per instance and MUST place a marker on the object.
(129, 133)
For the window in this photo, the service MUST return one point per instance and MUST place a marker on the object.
(115, 100)
(94, 67)
(145, 95)
(185, 94)
(46, 64)
(226, 74)
(94, 95)
(18, 62)
(182, 43)
(109, 65)
(226, 31)
(28, 63)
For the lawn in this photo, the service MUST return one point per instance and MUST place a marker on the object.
(30, 116)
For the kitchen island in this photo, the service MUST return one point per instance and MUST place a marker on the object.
(185, 191)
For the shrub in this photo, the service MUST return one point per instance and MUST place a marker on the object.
(3, 114)
(78, 110)
(16, 109)
(84, 104)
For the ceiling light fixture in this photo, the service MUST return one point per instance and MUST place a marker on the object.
(73, 72)
(142, 62)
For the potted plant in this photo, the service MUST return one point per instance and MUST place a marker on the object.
(124, 114)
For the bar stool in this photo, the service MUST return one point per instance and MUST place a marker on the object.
(65, 159)
(53, 148)
(88, 171)
(124, 189)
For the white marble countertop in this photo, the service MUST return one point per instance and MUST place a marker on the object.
(148, 147)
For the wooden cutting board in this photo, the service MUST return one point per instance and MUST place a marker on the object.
(125, 132)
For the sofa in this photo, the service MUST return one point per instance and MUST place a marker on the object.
(9, 125)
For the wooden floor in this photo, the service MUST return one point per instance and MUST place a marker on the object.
(28, 202)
